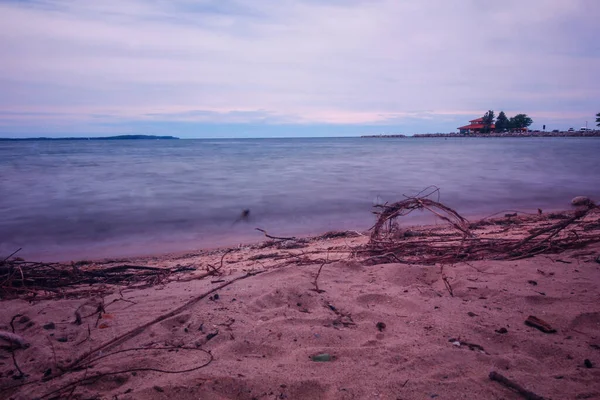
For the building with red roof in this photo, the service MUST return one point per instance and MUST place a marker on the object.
(475, 126)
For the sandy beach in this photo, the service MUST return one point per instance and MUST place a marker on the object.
(332, 317)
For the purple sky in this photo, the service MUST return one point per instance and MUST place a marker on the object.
(210, 68)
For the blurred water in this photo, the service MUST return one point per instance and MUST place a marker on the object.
(76, 199)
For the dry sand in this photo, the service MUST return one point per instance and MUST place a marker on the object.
(393, 331)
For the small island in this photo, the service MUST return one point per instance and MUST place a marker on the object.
(119, 137)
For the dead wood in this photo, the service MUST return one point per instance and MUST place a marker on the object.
(275, 237)
(388, 244)
(514, 386)
(136, 331)
(387, 214)
(47, 280)
(540, 324)
(316, 282)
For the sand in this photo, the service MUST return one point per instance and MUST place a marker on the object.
(391, 331)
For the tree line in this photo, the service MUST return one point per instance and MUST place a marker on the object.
(519, 121)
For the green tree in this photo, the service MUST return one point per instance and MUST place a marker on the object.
(488, 120)
(502, 122)
(598, 119)
(520, 121)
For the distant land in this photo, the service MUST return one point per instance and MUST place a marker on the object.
(588, 133)
(120, 137)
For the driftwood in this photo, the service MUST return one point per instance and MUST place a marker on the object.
(514, 386)
(19, 277)
(539, 324)
(388, 213)
(389, 244)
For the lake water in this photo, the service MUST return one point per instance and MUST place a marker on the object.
(74, 199)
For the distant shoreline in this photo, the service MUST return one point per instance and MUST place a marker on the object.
(595, 133)
(120, 137)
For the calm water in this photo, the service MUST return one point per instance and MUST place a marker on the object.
(90, 199)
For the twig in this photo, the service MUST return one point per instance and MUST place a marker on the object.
(87, 337)
(514, 386)
(275, 237)
(316, 289)
(136, 331)
(446, 282)
(12, 320)
(222, 258)
(21, 374)
(130, 370)
(13, 253)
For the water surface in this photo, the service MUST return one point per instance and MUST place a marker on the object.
(63, 200)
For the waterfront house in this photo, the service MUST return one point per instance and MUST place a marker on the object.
(475, 126)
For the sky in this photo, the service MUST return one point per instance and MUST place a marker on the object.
(278, 68)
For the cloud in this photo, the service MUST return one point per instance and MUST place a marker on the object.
(296, 61)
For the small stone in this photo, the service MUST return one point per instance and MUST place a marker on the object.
(158, 389)
(502, 331)
(24, 319)
(471, 314)
(533, 283)
(62, 339)
(380, 326)
(49, 325)
(587, 363)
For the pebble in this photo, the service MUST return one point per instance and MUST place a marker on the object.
(49, 325)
